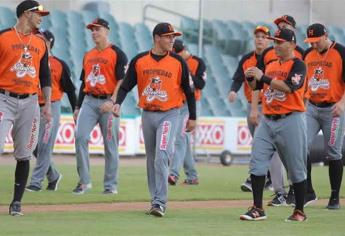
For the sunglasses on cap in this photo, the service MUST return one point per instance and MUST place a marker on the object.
(263, 28)
(36, 8)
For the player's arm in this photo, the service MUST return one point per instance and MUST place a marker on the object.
(46, 83)
(80, 96)
(127, 85)
(199, 79)
(237, 81)
(254, 110)
(67, 85)
(339, 108)
(120, 71)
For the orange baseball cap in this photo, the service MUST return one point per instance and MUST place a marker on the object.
(315, 32)
(263, 29)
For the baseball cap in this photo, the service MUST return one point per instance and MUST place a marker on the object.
(287, 19)
(315, 32)
(164, 29)
(263, 29)
(30, 5)
(178, 46)
(284, 35)
(97, 23)
(49, 37)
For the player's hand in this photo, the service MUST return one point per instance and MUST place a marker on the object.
(46, 111)
(106, 106)
(232, 96)
(191, 124)
(254, 72)
(254, 117)
(75, 114)
(338, 109)
(116, 110)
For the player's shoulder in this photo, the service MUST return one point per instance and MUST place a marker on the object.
(298, 63)
(198, 59)
(177, 57)
(267, 50)
(117, 49)
(247, 56)
(4, 31)
(140, 56)
(62, 62)
(300, 50)
(340, 48)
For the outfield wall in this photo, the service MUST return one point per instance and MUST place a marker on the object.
(213, 135)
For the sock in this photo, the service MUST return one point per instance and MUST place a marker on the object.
(299, 189)
(335, 172)
(258, 183)
(310, 188)
(21, 177)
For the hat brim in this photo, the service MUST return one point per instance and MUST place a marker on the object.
(172, 33)
(42, 13)
(277, 39)
(92, 25)
(261, 30)
(312, 40)
(278, 20)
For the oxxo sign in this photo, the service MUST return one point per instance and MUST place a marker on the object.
(212, 135)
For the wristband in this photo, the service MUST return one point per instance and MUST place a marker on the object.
(266, 80)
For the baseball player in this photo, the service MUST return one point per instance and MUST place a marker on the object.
(283, 121)
(183, 154)
(102, 74)
(251, 59)
(61, 82)
(162, 78)
(325, 92)
(281, 198)
(24, 68)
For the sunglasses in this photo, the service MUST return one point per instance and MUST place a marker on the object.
(262, 28)
(36, 8)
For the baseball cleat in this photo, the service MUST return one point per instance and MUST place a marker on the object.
(297, 215)
(247, 186)
(333, 203)
(157, 210)
(309, 198)
(110, 191)
(33, 188)
(172, 179)
(53, 186)
(15, 209)
(278, 200)
(254, 214)
(81, 189)
(191, 181)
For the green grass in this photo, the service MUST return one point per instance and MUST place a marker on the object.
(177, 222)
(217, 182)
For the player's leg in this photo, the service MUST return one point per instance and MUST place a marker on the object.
(292, 149)
(165, 138)
(86, 121)
(333, 131)
(180, 146)
(25, 133)
(313, 128)
(53, 174)
(262, 151)
(277, 176)
(149, 126)
(110, 130)
(189, 164)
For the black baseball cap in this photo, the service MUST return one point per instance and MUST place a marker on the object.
(263, 29)
(315, 32)
(165, 29)
(49, 36)
(97, 23)
(30, 5)
(284, 35)
(178, 46)
(287, 19)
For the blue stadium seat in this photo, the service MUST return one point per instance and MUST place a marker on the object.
(58, 19)
(127, 39)
(143, 37)
(7, 17)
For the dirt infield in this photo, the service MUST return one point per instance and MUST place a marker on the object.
(138, 206)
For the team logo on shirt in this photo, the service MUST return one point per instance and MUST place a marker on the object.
(95, 76)
(317, 80)
(24, 66)
(273, 94)
(296, 79)
(153, 91)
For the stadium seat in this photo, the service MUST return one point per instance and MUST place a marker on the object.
(58, 19)
(143, 37)
(127, 39)
(7, 17)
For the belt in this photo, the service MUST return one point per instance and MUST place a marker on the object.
(16, 95)
(277, 116)
(322, 104)
(101, 96)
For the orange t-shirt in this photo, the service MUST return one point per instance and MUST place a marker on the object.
(197, 68)
(56, 70)
(99, 70)
(292, 72)
(270, 55)
(23, 58)
(325, 74)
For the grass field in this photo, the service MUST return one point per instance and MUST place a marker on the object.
(217, 183)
